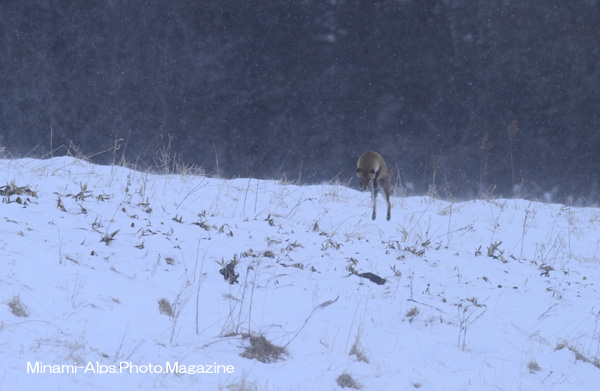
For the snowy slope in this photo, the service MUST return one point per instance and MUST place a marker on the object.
(109, 269)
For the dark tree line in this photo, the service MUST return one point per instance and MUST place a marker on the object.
(463, 97)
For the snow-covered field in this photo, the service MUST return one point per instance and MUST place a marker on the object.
(105, 269)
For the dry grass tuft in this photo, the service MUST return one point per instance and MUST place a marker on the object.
(165, 307)
(242, 385)
(412, 313)
(533, 367)
(357, 351)
(13, 189)
(17, 307)
(228, 270)
(346, 381)
(578, 355)
(262, 349)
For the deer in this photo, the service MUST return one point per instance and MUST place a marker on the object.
(372, 171)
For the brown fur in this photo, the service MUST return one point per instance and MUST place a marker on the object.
(372, 171)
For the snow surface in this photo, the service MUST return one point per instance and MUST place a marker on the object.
(479, 295)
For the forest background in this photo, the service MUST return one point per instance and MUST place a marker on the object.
(463, 98)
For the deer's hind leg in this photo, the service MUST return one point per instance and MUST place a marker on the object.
(389, 204)
(374, 191)
(387, 189)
